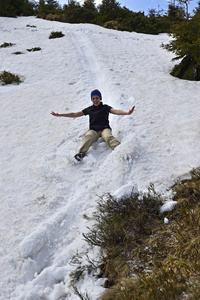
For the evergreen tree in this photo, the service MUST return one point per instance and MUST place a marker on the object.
(29, 8)
(73, 12)
(89, 4)
(42, 10)
(152, 13)
(18, 5)
(7, 9)
(108, 7)
(47, 7)
(13, 8)
(175, 13)
(186, 3)
(186, 41)
(52, 6)
(89, 11)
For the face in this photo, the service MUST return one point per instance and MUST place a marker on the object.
(96, 100)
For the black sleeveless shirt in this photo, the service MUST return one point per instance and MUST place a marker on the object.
(98, 115)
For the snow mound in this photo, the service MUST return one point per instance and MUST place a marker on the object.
(126, 191)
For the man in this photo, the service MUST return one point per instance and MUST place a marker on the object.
(99, 123)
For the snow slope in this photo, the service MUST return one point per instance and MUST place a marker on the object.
(44, 193)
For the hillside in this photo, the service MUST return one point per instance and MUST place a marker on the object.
(44, 192)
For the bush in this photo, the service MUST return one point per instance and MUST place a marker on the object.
(31, 26)
(185, 45)
(9, 78)
(185, 69)
(34, 49)
(18, 52)
(56, 34)
(120, 230)
(142, 257)
(5, 45)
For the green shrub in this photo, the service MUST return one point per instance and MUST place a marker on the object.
(56, 34)
(9, 78)
(185, 69)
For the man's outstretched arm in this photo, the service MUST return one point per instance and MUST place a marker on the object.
(120, 112)
(69, 115)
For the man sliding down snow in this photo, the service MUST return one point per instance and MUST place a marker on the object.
(99, 123)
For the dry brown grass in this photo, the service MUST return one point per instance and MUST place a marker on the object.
(141, 257)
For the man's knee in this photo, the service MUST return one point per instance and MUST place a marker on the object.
(110, 139)
(106, 134)
(92, 134)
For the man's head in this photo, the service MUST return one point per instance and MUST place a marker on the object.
(96, 97)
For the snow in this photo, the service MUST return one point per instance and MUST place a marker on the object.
(169, 206)
(126, 190)
(166, 220)
(44, 192)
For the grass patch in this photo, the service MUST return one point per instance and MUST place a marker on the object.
(120, 230)
(143, 258)
(5, 45)
(31, 26)
(18, 52)
(34, 49)
(9, 78)
(56, 34)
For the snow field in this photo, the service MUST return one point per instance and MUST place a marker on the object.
(44, 192)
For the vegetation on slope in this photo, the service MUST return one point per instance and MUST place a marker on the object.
(140, 255)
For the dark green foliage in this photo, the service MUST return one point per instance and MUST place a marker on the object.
(140, 23)
(13, 8)
(56, 34)
(41, 10)
(9, 78)
(75, 13)
(110, 9)
(175, 13)
(7, 9)
(185, 69)
(90, 4)
(29, 8)
(186, 44)
(48, 7)
(186, 4)
(108, 14)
